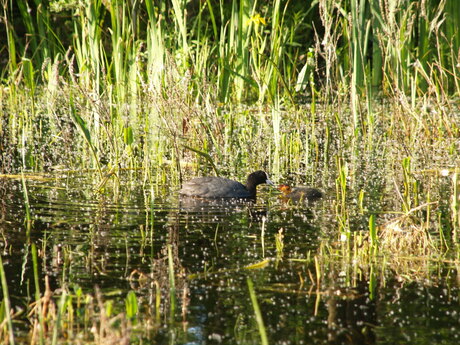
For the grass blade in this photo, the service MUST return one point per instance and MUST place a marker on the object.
(6, 300)
(257, 313)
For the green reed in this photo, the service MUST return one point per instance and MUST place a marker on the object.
(125, 71)
(257, 313)
(411, 193)
(373, 236)
(81, 124)
(38, 300)
(39, 29)
(132, 307)
(5, 305)
(246, 55)
(342, 198)
(62, 308)
(455, 206)
(359, 40)
(26, 200)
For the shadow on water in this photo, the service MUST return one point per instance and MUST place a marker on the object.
(120, 243)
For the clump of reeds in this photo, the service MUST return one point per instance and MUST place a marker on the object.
(404, 236)
(56, 318)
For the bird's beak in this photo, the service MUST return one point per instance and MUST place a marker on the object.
(269, 182)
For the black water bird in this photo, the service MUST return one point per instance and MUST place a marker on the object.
(222, 188)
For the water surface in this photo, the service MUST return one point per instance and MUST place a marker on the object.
(118, 242)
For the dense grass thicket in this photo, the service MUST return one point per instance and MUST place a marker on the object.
(144, 83)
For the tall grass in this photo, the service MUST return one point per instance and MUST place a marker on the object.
(125, 64)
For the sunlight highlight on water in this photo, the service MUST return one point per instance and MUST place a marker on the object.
(119, 243)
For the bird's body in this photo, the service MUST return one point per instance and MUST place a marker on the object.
(300, 193)
(220, 187)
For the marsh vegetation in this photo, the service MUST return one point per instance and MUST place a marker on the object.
(107, 107)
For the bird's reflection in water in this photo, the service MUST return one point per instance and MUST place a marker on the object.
(216, 210)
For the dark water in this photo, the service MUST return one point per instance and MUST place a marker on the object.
(111, 240)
